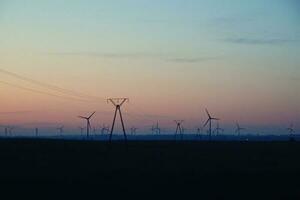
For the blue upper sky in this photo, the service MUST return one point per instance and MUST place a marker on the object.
(149, 27)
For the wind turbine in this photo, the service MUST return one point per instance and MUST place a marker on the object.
(10, 129)
(152, 129)
(238, 129)
(104, 129)
(60, 130)
(218, 129)
(157, 128)
(209, 120)
(291, 130)
(133, 130)
(6, 131)
(198, 132)
(88, 126)
(36, 132)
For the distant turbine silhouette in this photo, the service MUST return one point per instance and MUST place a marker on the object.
(10, 130)
(88, 123)
(218, 129)
(291, 131)
(60, 130)
(178, 128)
(157, 128)
(198, 132)
(152, 129)
(238, 129)
(36, 132)
(6, 131)
(209, 120)
(133, 130)
(104, 129)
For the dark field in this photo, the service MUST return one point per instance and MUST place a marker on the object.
(212, 170)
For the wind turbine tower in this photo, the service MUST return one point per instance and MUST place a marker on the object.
(157, 129)
(133, 130)
(10, 130)
(104, 129)
(60, 130)
(239, 129)
(6, 131)
(36, 132)
(218, 129)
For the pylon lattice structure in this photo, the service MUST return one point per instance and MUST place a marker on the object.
(179, 129)
(117, 102)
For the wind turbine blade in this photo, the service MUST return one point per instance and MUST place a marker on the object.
(91, 115)
(206, 123)
(208, 113)
(82, 117)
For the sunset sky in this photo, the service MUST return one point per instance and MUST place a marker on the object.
(172, 58)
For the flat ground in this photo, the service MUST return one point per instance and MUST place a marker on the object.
(215, 170)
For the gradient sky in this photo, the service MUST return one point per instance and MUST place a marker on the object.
(172, 58)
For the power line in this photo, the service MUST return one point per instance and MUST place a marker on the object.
(51, 87)
(42, 92)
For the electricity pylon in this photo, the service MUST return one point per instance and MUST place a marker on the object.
(117, 102)
(178, 128)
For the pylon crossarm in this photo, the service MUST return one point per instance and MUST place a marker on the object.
(124, 100)
(111, 100)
